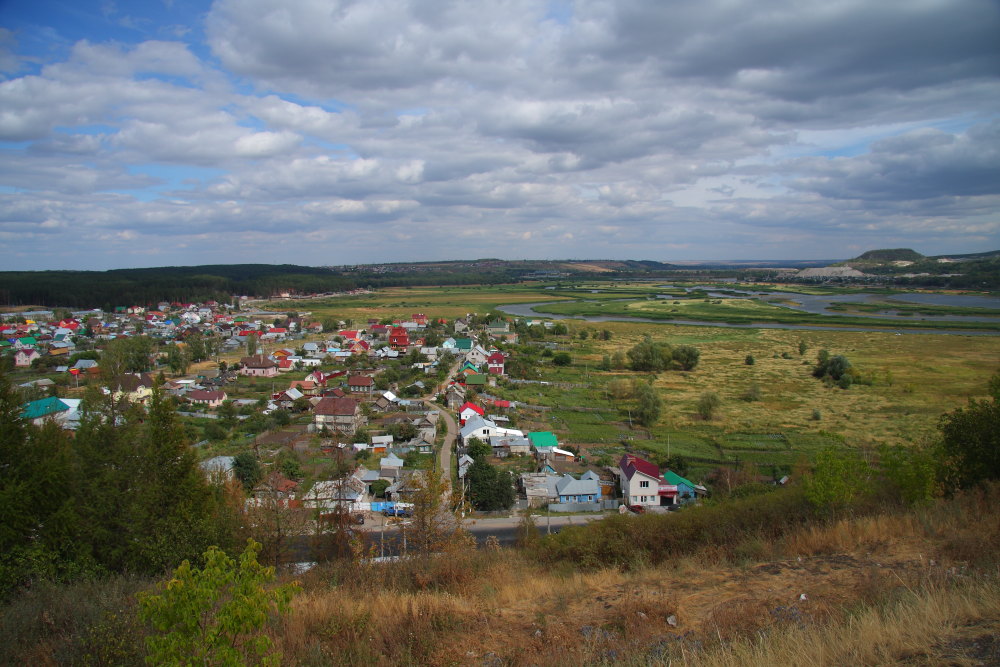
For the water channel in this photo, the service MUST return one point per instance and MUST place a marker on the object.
(808, 303)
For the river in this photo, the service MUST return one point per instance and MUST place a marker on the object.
(808, 303)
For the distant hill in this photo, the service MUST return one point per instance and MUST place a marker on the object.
(889, 255)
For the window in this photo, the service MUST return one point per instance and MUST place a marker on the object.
(644, 484)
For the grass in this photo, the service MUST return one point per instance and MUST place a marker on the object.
(738, 585)
(748, 311)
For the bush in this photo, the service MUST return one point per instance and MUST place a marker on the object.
(708, 404)
(752, 394)
(749, 361)
(562, 359)
(215, 615)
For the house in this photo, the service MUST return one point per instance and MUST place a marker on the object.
(539, 487)
(464, 463)
(484, 429)
(497, 328)
(494, 363)
(335, 493)
(642, 483)
(135, 387)
(307, 387)
(212, 399)
(469, 410)
(461, 324)
(399, 337)
(476, 380)
(381, 443)
(390, 467)
(477, 355)
(587, 489)
(543, 440)
(385, 402)
(46, 408)
(258, 366)
(455, 395)
(506, 445)
(219, 466)
(360, 384)
(686, 491)
(338, 414)
(24, 356)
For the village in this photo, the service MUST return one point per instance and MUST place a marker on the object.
(328, 419)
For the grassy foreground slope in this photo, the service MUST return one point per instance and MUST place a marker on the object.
(880, 586)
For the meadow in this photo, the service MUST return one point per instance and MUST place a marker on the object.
(910, 380)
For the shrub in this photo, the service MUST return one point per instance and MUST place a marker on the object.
(708, 404)
(215, 615)
(749, 361)
(562, 359)
(752, 394)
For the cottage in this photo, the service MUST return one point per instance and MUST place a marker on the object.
(258, 366)
(495, 363)
(469, 410)
(484, 429)
(360, 384)
(338, 414)
(211, 399)
(642, 483)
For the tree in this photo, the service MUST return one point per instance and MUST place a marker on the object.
(247, 470)
(802, 347)
(178, 359)
(910, 472)
(708, 403)
(970, 443)
(648, 356)
(686, 357)
(839, 478)
(649, 405)
(379, 486)
(490, 489)
(749, 361)
(434, 529)
(227, 414)
(216, 614)
(477, 449)
(562, 359)
(605, 364)
(251, 344)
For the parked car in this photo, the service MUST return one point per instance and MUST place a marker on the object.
(398, 511)
(637, 509)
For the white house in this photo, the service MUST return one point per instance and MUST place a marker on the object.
(484, 429)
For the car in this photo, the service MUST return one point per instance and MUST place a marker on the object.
(637, 509)
(398, 511)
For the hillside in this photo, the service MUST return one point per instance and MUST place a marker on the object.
(893, 255)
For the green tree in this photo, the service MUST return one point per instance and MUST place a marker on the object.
(379, 486)
(562, 359)
(178, 359)
(708, 403)
(686, 357)
(478, 450)
(216, 615)
(247, 470)
(251, 345)
(649, 404)
(970, 443)
(802, 347)
(648, 356)
(909, 472)
(490, 489)
(227, 414)
(839, 478)
(749, 361)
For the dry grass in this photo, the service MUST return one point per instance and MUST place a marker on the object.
(877, 590)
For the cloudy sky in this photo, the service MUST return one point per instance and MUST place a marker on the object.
(336, 131)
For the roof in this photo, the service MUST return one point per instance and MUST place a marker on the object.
(202, 395)
(630, 464)
(43, 407)
(670, 477)
(336, 406)
(476, 379)
(567, 486)
(359, 381)
(543, 439)
(391, 461)
(467, 405)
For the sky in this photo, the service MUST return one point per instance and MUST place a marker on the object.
(329, 132)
